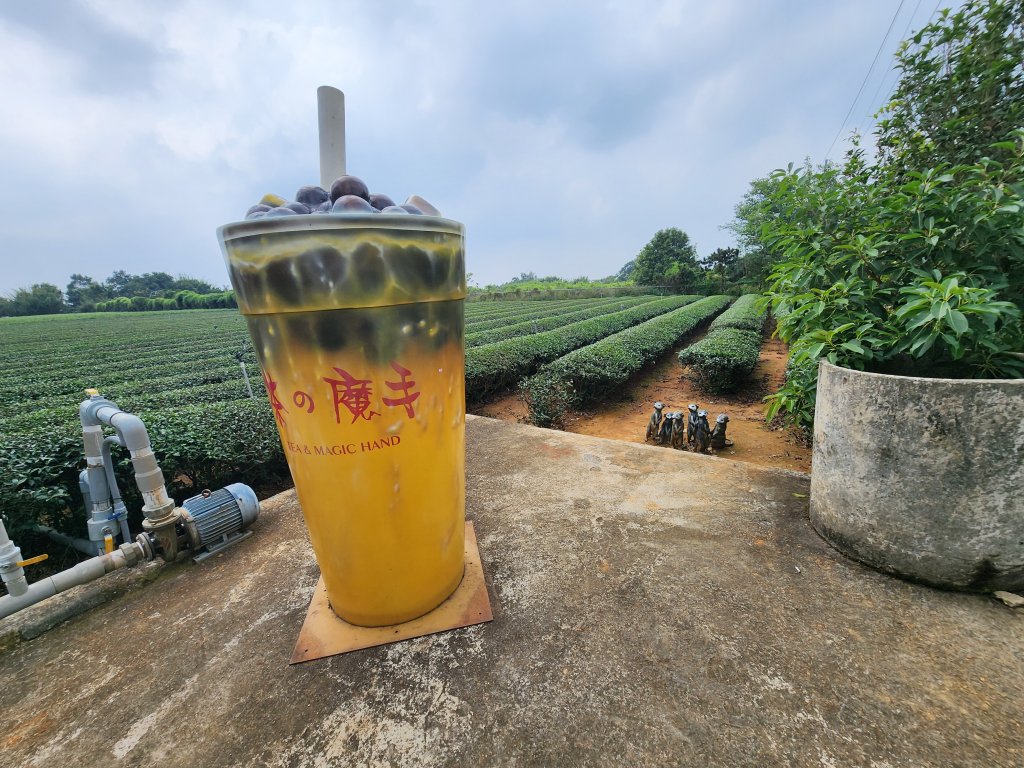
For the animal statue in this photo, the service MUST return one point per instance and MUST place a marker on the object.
(654, 423)
(718, 438)
(678, 431)
(691, 423)
(665, 431)
(702, 438)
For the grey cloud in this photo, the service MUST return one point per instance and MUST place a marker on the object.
(107, 59)
(564, 135)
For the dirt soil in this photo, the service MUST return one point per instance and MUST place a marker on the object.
(626, 418)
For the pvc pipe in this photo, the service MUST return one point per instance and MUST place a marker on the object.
(108, 466)
(120, 511)
(122, 521)
(330, 104)
(245, 375)
(92, 438)
(83, 486)
(83, 573)
(157, 503)
(82, 545)
(12, 574)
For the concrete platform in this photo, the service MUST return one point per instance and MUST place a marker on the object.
(651, 608)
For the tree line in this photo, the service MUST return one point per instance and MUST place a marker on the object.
(669, 260)
(121, 292)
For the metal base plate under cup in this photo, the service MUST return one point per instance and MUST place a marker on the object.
(325, 634)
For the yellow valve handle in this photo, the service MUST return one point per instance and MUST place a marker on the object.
(92, 392)
(31, 561)
(108, 543)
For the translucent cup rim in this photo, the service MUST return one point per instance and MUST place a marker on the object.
(314, 222)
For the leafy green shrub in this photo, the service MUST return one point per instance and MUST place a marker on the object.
(39, 478)
(181, 300)
(494, 367)
(747, 312)
(594, 371)
(210, 445)
(723, 359)
(920, 276)
(913, 264)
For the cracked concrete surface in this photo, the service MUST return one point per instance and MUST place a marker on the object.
(651, 608)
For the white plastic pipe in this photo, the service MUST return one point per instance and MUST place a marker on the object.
(13, 574)
(84, 572)
(330, 103)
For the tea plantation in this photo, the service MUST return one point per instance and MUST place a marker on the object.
(182, 372)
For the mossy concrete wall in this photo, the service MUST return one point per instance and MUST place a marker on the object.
(922, 478)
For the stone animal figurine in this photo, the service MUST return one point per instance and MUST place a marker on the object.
(702, 438)
(654, 424)
(691, 423)
(718, 438)
(665, 431)
(678, 431)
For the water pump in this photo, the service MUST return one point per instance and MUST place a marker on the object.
(203, 525)
(217, 519)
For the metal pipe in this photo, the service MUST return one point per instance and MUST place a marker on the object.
(108, 466)
(83, 573)
(126, 534)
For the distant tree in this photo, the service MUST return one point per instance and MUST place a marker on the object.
(186, 283)
(524, 277)
(150, 284)
(118, 282)
(83, 293)
(668, 259)
(40, 299)
(626, 273)
(760, 206)
(721, 262)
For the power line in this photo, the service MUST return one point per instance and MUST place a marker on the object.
(860, 90)
(894, 71)
(862, 126)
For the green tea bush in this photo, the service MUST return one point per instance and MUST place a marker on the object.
(199, 445)
(921, 275)
(747, 312)
(494, 367)
(593, 308)
(723, 359)
(39, 479)
(530, 311)
(595, 371)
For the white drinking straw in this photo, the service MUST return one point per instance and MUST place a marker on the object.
(330, 104)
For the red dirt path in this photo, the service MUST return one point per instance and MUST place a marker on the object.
(625, 418)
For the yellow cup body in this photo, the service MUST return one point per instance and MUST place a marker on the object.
(357, 322)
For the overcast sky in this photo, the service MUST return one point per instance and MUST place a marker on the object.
(563, 134)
